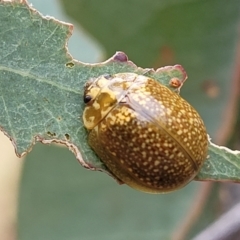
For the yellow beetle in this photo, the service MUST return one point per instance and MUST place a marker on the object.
(147, 136)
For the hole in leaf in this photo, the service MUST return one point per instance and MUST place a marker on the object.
(70, 64)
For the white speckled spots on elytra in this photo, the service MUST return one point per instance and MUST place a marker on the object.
(151, 138)
(156, 163)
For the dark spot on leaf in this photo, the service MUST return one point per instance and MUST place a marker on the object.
(50, 134)
(67, 136)
(45, 100)
(59, 118)
(70, 64)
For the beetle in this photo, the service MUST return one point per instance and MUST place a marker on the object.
(147, 135)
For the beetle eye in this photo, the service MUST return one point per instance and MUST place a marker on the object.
(87, 98)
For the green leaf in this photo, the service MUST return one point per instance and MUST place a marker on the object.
(222, 164)
(67, 202)
(41, 87)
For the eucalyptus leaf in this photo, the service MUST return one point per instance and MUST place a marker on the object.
(41, 86)
(222, 164)
(41, 89)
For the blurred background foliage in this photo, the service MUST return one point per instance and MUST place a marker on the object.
(58, 199)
